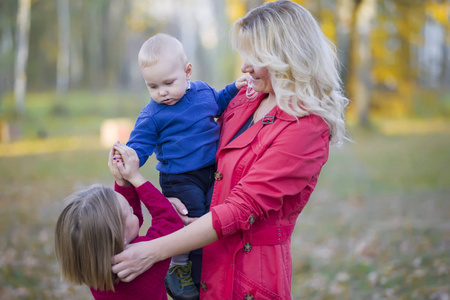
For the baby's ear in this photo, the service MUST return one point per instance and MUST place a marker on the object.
(188, 70)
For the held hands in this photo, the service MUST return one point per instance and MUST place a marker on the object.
(124, 165)
(112, 164)
(243, 81)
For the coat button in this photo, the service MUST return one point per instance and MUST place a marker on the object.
(218, 175)
(249, 297)
(203, 285)
(251, 220)
(247, 247)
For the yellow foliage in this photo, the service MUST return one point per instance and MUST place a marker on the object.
(235, 9)
(328, 25)
(301, 2)
(439, 11)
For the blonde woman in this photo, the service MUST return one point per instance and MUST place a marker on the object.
(274, 142)
(98, 222)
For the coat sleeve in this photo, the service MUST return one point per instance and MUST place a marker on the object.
(280, 174)
(143, 137)
(165, 220)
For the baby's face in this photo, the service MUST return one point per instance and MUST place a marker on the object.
(167, 79)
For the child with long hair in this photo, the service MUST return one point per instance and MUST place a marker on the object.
(98, 223)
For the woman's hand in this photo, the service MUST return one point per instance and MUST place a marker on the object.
(114, 169)
(128, 165)
(139, 257)
(133, 261)
(180, 208)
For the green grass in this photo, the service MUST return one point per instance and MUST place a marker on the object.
(377, 226)
(53, 115)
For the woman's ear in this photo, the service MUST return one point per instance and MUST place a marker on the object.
(188, 70)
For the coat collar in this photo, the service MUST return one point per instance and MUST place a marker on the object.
(243, 110)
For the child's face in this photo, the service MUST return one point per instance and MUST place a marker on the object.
(130, 221)
(167, 79)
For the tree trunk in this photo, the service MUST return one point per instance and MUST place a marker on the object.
(76, 57)
(62, 75)
(344, 26)
(6, 49)
(20, 78)
(364, 12)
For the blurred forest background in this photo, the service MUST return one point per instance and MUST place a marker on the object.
(378, 225)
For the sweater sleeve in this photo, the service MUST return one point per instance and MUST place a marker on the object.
(132, 197)
(143, 137)
(165, 219)
(225, 96)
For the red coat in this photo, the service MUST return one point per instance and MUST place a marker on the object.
(264, 179)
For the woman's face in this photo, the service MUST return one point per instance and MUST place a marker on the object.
(261, 78)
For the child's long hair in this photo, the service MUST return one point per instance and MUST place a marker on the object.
(88, 233)
(286, 39)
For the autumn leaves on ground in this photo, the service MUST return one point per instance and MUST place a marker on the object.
(377, 226)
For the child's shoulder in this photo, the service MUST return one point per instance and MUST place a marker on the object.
(199, 85)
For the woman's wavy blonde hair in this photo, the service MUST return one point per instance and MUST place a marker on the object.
(89, 232)
(286, 39)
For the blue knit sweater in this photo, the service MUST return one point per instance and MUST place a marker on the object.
(184, 136)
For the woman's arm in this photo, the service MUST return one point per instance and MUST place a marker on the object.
(139, 257)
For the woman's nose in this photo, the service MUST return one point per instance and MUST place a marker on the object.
(245, 68)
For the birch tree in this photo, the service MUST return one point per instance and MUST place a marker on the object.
(363, 86)
(23, 28)
(62, 74)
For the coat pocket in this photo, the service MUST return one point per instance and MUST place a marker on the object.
(246, 288)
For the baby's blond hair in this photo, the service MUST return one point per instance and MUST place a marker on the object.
(158, 45)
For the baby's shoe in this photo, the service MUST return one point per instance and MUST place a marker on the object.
(179, 283)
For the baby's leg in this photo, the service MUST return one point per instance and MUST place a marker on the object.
(179, 283)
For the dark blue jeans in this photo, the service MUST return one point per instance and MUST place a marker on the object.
(194, 189)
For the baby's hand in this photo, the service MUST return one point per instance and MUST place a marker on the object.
(243, 81)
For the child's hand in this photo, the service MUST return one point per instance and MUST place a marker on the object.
(114, 155)
(128, 165)
(243, 81)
